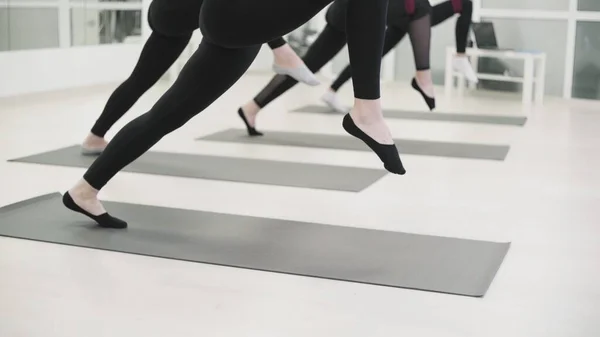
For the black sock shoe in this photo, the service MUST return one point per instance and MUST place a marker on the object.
(103, 220)
(251, 130)
(387, 153)
(429, 100)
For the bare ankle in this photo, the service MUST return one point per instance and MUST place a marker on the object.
(83, 190)
(367, 111)
(93, 137)
(285, 56)
(91, 140)
(424, 77)
(251, 108)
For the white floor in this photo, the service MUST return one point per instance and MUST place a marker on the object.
(544, 198)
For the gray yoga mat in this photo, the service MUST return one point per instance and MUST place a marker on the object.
(430, 263)
(431, 116)
(343, 142)
(257, 171)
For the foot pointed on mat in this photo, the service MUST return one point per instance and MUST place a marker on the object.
(93, 145)
(103, 220)
(252, 132)
(430, 101)
(387, 153)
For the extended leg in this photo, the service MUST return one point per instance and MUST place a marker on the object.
(393, 36)
(443, 12)
(287, 62)
(207, 75)
(159, 53)
(326, 46)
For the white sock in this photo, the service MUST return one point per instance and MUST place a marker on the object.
(462, 65)
(331, 99)
(300, 73)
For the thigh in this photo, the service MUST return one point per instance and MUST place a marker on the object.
(158, 55)
(209, 73)
(240, 23)
(441, 12)
(336, 15)
(174, 17)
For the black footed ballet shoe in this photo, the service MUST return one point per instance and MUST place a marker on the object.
(429, 100)
(251, 130)
(103, 220)
(387, 153)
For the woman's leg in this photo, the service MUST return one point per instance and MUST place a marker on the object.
(326, 46)
(206, 76)
(276, 43)
(159, 53)
(365, 27)
(442, 12)
(366, 31)
(420, 38)
(393, 36)
(213, 69)
(463, 24)
(287, 62)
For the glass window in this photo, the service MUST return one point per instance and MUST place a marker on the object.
(99, 26)
(586, 70)
(527, 4)
(3, 27)
(589, 5)
(28, 28)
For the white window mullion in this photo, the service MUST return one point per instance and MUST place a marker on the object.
(28, 4)
(588, 16)
(146, 30)
(527, 14)
(570, 51)
(476, 11)
(64, 24)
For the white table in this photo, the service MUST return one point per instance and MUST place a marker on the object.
(534, 73)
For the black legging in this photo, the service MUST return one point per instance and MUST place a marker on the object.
(173, 25)
(420, 38)
(325, 47)
(439, 13)
(333, 38)
(443, 11)
(233, 31)
(278, 42)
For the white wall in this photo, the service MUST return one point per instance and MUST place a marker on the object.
(52, 69)
(38, 70)
(47, 69)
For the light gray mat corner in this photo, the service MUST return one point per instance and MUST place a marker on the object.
(375, 257)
